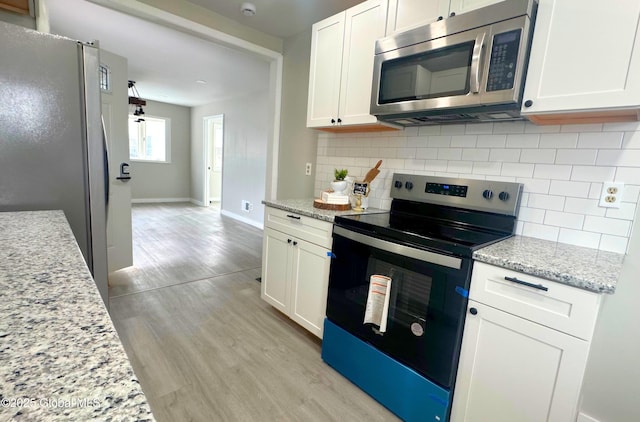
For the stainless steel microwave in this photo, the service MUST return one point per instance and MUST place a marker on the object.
(465, 68)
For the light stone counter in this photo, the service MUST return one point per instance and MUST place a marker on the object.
(60, 356)
(305, 207)
(586, 268)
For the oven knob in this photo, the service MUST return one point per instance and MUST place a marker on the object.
(398, 184)
(504, 196)
(487, 194)
(408, 185)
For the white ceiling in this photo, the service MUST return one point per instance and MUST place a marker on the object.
(166, 63)
(280, 18)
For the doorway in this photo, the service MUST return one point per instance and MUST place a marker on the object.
(214, 148)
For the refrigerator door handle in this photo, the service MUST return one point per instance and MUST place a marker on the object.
(107, 170)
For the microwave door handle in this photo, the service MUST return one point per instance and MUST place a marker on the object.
(476, 60)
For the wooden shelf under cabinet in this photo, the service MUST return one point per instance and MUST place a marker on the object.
(18, 6)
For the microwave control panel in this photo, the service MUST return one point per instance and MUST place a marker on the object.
(504, 55)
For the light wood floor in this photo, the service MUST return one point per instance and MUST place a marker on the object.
(203, 344)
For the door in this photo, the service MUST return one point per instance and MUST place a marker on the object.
(408, 14)
(276, 270)
(310, 276)
(512, 369)
(364, 24)
(115, 112)
(325, 68)
(214, 133)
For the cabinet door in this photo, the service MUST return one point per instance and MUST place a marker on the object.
(585, 56)
(276, 269)
(462, 6)
(407, 14)
(512, 369)
(324, 73)
(310, 282)
(364, 24)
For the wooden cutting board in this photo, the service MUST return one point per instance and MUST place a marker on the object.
(319, 203)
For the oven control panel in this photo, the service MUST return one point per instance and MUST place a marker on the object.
(481, 195)
(446, 189)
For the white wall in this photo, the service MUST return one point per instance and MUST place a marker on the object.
(18, 19)
(166, 181)
(562, 168)
(297, 143)
(245, 152)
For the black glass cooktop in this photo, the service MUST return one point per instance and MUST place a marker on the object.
(445, 229)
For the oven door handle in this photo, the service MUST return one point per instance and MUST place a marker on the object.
(419, 254)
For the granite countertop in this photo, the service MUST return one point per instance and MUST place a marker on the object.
(60, 355)
(305, 207)
(586, 268)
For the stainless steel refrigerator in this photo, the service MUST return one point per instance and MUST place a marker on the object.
(52, 146)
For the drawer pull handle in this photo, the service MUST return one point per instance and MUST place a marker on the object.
(295, 217)
(525, 283)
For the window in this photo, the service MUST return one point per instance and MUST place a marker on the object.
(105, 78)
(149, 138)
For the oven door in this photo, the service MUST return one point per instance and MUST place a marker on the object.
(427, 300)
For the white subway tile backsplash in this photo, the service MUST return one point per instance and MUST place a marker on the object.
(523, 141)
(576, 156)
(491, 141)
(584, 206)
(503, 154)
(475, 154)
(439, 141)
(607, 225)
(563, 219)
(579, 238)
(546, 202)
(541, 231)
(464, 141)
(608, 140)
(449, 153)
(593, 173)
(552, 171)
(487, 168)
(517, 169)
(538, 156)
(618, 157)
(616, 244)
(571, 189)
(559, 140)
(562, 169)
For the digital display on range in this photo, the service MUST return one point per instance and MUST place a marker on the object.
(449, 190)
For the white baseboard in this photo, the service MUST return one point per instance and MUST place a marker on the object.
(585, 418)
(158, 200)
(243, 219)
(196, 202)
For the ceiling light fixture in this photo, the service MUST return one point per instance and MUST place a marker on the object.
(201, 81)
(136, 101)
(248, 9)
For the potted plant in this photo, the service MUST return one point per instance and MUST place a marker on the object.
(339, 184)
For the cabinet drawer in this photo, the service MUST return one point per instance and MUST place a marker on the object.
(561, 307)
(300, 226)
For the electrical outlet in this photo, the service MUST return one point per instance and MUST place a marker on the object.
(247, 206)
(611, 194)
(307, 169)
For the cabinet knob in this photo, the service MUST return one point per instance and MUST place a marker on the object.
(452, 14)
(528, 103)
(288, 240)
(333, 121)
(473, 311)
(339, 120)
(440, 18)
(295, 243)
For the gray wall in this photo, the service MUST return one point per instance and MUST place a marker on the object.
(244, 163)
(168, 181)
(298, 144)
(610, 389)
(18, 19)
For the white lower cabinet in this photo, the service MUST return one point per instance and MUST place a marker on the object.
(512, 367)
(295, 272)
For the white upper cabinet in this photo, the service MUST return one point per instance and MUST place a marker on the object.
(585, 62)
(408, 14)
(341, 68)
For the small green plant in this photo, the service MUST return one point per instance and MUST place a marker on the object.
(340, 174)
